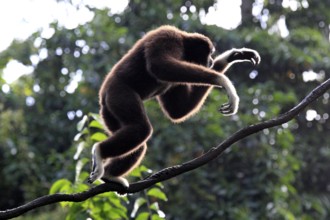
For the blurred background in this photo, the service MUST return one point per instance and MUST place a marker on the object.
(51, 72)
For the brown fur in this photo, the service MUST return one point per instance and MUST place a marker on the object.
(168, 64)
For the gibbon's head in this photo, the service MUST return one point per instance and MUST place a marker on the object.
(198, 49)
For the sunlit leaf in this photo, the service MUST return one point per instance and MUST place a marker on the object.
(80, 148)
(82, 123)
(137, 172)
(96, 117)
(115, 213)
(83, 177)
(80, 164)
(155, 206)
(157, 193)
(157, 217)
(59, 186)
(143, 216)
(78, 136)
(98, 136)
(137, 204)
(96, 124)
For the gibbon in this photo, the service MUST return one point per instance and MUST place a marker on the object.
(177, 69)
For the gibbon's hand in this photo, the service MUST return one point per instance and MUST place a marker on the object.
(244, 55)
(231, 107)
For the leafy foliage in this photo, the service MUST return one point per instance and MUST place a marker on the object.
(106, 205)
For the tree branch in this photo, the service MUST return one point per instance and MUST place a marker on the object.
(170, 172)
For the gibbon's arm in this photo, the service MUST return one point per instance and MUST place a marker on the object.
(182, 101)
(172, 70)
(164, 62)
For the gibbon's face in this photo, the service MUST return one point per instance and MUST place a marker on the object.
(198, 51)
(201, 57)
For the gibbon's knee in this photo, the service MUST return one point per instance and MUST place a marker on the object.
(115, 167)
(144, 131)
(125, 140)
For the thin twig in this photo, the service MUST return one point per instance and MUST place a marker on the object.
(170, 172)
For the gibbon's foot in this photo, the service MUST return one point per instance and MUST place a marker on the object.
(97, 165)
(244, 54)
(119, 180)
(93, 177)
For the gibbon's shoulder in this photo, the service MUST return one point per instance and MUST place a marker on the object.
(168, 32)
(168, 29)
(173, 31)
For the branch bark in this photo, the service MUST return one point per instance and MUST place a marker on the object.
(173, 171)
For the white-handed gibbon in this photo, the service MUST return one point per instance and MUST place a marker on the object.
(168, 64)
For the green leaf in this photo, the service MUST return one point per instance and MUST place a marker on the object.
(157, 193)
(80, 187)
(137, 204)
(80, 148)
(95, 116)
(137, 172)
(160, 185)
(143, 216)
(80, 164)
(116, 213)
(82, 123)
(60, 186)
(145, 169)
(160, 213)
(96, 124)
(155, 206)
(78, 136)
(157, 217)
(98, 136)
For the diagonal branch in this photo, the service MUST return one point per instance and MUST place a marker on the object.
(170, 172)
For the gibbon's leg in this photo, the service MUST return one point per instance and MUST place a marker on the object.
(109, 120)
(135, 127)
(112, 124)
(134, 131)
(183, 101)
(120, 166)
(98, 166)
